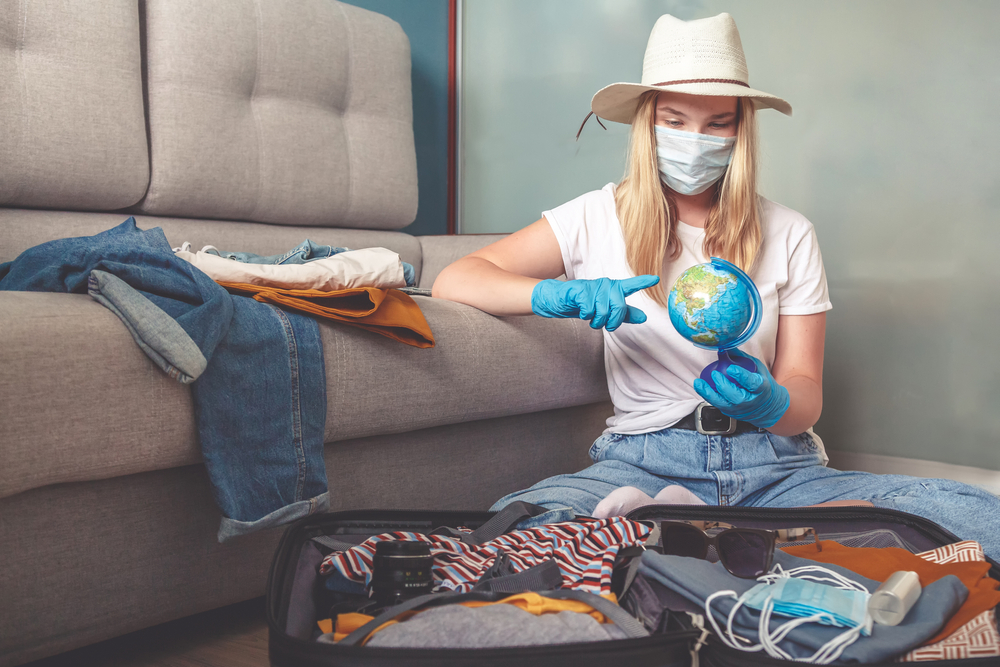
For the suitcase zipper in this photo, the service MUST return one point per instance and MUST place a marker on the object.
(725, 656)
(653, 651)
(930, 529)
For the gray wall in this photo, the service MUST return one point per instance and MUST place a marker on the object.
(891, 153)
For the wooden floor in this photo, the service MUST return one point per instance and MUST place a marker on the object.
(228, 637)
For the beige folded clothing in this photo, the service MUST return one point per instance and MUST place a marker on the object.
(367, 267)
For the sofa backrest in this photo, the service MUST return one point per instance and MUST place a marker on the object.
(72, 130)
(296, 112)
(284, 112)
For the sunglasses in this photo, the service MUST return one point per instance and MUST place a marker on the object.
(745, 552)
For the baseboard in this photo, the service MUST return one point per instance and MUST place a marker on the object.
(897, 465)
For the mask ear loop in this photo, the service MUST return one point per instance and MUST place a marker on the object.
(831, 650)
(731, 640)
(769, 641)
(834, 578)
(824, 655)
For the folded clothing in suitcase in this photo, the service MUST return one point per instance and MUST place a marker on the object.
(323, 567)
(583, 555)
(951, 622)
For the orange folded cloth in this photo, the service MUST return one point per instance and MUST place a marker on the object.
(387, 312)
(878, 564)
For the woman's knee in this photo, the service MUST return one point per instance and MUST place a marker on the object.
(915, 487)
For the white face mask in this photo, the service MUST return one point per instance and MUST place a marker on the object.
(690, 162)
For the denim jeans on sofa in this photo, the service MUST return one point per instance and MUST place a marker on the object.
(257, 371)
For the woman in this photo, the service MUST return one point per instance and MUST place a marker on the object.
(689, 193)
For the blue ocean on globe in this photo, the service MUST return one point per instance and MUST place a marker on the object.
(710, 306)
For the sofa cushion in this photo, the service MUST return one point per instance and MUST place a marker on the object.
(21, 229)
(74, 132)
(291, 113)
(80, 401)
(481, 366)
(78, 398)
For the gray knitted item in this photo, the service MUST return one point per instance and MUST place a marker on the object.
(456, 626)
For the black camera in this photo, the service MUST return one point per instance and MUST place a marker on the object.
(400, 571)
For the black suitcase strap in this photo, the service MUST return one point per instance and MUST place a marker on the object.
(629, 624)
(502, 522)
(501, 577)
(333, 543)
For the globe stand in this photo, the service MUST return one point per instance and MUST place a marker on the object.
(724, 362)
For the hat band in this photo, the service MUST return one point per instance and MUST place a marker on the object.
(680, 81)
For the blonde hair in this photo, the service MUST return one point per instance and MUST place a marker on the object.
(649, 217)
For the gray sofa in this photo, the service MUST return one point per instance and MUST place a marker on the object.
(249, 125)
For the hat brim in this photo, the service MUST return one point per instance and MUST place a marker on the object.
(617, 102)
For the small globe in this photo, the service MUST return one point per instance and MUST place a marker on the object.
(714, 305)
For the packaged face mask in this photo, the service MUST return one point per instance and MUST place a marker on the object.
(801, 598)
(690, 162)
(799, 594)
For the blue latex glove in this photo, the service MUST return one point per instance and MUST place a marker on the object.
(753, 397)
(602, 301)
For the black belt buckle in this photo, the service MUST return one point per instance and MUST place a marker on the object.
(709, 420)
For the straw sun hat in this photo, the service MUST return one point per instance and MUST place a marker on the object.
(703, 57)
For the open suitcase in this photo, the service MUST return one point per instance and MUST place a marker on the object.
(680, 639)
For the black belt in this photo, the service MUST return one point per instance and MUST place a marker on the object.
(713, 422)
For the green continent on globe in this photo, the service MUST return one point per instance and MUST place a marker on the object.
(707, 338)
(699, 288)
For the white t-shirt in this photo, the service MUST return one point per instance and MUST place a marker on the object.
(650, 368)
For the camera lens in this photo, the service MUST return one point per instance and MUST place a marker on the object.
(401, 570)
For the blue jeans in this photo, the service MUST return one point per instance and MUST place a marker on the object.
(307, 251)
(257, 373)
(260, 408)
(759, 469)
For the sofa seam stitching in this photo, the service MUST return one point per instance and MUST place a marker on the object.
(256, 116)
(347, 105)
(23, 89)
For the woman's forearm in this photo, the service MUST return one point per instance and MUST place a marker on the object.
(480, 283)
(805, 405)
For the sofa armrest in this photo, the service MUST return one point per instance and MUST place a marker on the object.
(440, 251)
